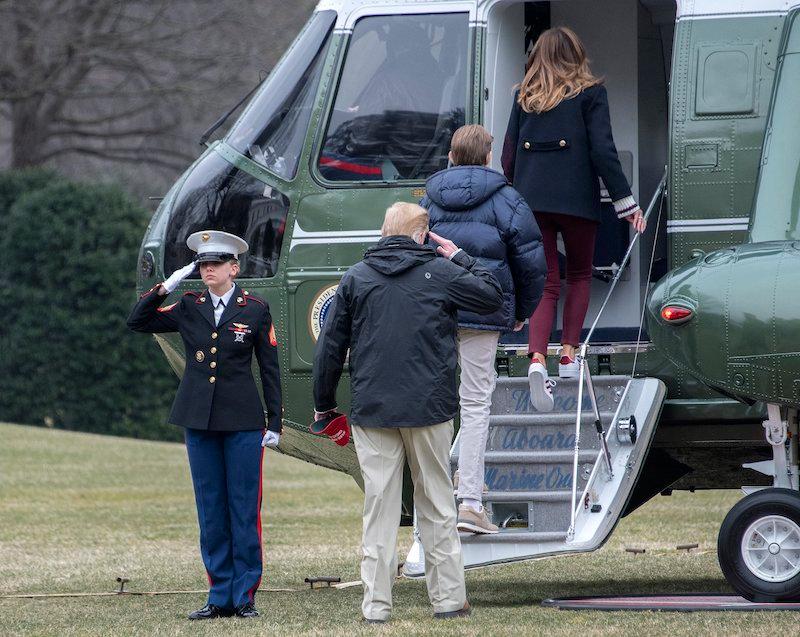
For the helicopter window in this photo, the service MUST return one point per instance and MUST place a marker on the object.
(402, 94)
(218, 196)
(272, 129)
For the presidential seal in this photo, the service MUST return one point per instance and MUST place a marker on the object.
(319, 309)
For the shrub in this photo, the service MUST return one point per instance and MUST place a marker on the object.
(68, 256)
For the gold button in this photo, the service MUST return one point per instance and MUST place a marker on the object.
(562, 143)
(199, 356)
(526, 145)
(212, 379)
(213, 350)
(213, 335)
(213, 364)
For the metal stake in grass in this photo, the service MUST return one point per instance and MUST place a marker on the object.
(686, 547)
(325, 580)
(634, 550)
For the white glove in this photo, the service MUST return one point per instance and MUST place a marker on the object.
(176, 277)
(271, 439)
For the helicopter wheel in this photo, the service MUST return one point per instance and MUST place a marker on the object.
(759, 546)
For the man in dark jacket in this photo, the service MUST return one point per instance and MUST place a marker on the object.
(476, 208)
(396, 313)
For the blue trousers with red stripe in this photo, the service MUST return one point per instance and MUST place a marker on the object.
(226, 472)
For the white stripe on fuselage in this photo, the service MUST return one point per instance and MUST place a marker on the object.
(305, 237)
(720, 224)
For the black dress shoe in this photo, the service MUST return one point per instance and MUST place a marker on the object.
(247, 610)
(209, 611)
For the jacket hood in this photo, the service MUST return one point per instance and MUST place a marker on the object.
(463, 187)
(394, 255)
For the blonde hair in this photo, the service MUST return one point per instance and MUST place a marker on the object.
(557, 70)
(406, 219)
(470, 146)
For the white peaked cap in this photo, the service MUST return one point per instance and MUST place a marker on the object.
(215, 245)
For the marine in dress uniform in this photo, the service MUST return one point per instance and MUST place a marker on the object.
(218, 406)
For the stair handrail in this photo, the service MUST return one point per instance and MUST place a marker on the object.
(584, 375)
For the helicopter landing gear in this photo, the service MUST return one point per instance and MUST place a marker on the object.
(759, 540)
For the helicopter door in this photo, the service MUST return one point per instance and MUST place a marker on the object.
(629, 44)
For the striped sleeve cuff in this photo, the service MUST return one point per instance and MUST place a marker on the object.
(625, 206)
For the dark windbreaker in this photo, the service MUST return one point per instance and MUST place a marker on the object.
(396, 312)
(476, 209)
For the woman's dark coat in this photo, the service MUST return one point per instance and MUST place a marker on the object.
(554, 158)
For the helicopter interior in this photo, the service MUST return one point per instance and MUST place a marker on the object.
(629, 43)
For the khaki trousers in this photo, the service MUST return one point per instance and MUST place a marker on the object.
(381, 454)
(476, 353)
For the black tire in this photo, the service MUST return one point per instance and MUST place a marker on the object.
(768, 502)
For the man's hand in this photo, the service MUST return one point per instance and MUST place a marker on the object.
(271, 439)
(637, 220)
(176, 277)
(518, 325)
(446, 247)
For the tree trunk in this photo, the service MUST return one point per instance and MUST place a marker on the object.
(28, 134)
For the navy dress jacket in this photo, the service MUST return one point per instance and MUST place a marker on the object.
(218, 391)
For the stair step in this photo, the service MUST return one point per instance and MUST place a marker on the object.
(513, 536)
(512, 396)
(537, 457)
(527, 496)
(535, 419)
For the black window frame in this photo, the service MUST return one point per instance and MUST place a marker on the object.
(320, 56)
(341, 55)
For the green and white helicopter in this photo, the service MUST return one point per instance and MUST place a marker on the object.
(691, 364)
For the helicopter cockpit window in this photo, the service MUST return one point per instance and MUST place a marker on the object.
(272, 129)
(402, 94)
(218, 196)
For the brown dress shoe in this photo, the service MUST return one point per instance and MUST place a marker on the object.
(465, 611)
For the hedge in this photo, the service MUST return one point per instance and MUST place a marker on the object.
(68, 254)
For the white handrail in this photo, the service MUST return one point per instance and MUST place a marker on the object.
(582, 369)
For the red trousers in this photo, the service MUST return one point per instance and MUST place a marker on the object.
(579, 236)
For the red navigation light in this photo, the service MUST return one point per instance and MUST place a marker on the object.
(675, 313)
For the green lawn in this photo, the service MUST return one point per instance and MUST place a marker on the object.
(78, 510)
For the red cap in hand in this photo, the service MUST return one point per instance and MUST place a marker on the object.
(334, 425)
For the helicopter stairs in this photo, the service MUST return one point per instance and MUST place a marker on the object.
(529, 467)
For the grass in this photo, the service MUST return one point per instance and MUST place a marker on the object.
(78, 510)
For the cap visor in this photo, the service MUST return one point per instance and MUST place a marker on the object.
(217, 257)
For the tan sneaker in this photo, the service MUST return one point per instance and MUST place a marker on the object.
(472, 521)
(456, 480)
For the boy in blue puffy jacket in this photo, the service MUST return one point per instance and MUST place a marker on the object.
(476, 208)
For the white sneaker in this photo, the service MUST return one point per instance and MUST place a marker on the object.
(541, 386)
(568, 367)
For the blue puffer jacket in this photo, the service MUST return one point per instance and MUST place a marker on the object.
(479, 211)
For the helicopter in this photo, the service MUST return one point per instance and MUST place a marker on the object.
(691, 366)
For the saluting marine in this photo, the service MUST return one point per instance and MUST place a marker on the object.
(219, 407)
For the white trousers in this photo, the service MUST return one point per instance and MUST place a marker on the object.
(381, 455)
(476, 353)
